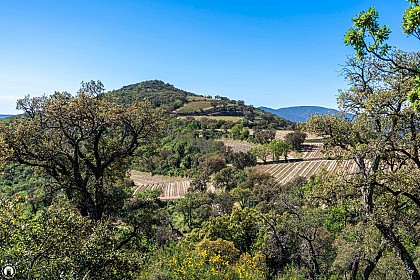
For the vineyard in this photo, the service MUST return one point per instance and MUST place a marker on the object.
(286, 172)
(311, 164)
(195, 106)
(312, 150)
(172, 187)
(225, 118)
(176, 187)
(281, 134)
(238, 146)
(191, 98)
(309, 150)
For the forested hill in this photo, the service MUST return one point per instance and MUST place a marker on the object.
(4, 116)
(182, 103)
(158, 92)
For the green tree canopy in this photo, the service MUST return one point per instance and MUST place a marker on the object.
(383, 139)
(83, 142)
(279, 148)
(295, 139)
(369, 38)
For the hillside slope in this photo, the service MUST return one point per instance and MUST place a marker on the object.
(178, 102)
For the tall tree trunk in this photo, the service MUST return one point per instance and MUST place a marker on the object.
(92, 210)
(354, 269)
(409, 266)
(372, 263)
(313, 260)
(99, 196)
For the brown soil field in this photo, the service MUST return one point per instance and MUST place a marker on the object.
(172, 187)
(226, 118)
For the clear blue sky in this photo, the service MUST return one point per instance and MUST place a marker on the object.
(268, 53)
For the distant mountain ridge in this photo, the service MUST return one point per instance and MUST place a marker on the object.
(300, 113)
(2, 116)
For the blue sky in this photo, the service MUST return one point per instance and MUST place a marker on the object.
(268, 53)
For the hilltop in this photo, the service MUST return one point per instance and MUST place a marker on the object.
(159, 93)
(183, 104)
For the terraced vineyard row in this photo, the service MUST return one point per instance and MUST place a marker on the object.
(286, 172)
(238, 146)
(170, 190)
(312, 150)
(309, 150)
(172, 187)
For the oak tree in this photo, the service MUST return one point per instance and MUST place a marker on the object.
(384, 141)
(295, 139)
(369, 38)
(84, 142)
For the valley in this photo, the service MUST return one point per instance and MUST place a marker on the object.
(309, 162)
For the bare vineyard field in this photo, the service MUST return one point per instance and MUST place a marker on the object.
(195, 106)
(176, 187)
(172, 187)
(312, 150)
(281, 134)
(309, 151)
(286, 172)
(226, 118)
(199, 98)
(238, 146)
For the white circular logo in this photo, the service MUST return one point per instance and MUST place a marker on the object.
(8, 271)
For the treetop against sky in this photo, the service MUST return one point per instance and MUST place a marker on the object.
(273, 53)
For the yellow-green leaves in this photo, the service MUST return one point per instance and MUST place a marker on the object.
(4, 151)
(411, 20)
(366, 34)
(368, 37)
(84, 143)
(414, 95)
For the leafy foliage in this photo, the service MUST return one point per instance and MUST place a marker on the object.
(59, 243)
(367, 37)
(295, 139)
(279, 148)
(383, 141)
(82, 142)
(264, 136)
(179, 153)
(158, 93)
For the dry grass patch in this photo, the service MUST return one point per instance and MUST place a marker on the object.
(195, 106)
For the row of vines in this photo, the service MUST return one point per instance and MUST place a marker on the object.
(286, 172)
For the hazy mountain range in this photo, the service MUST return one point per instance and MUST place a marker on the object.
(300, 113)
